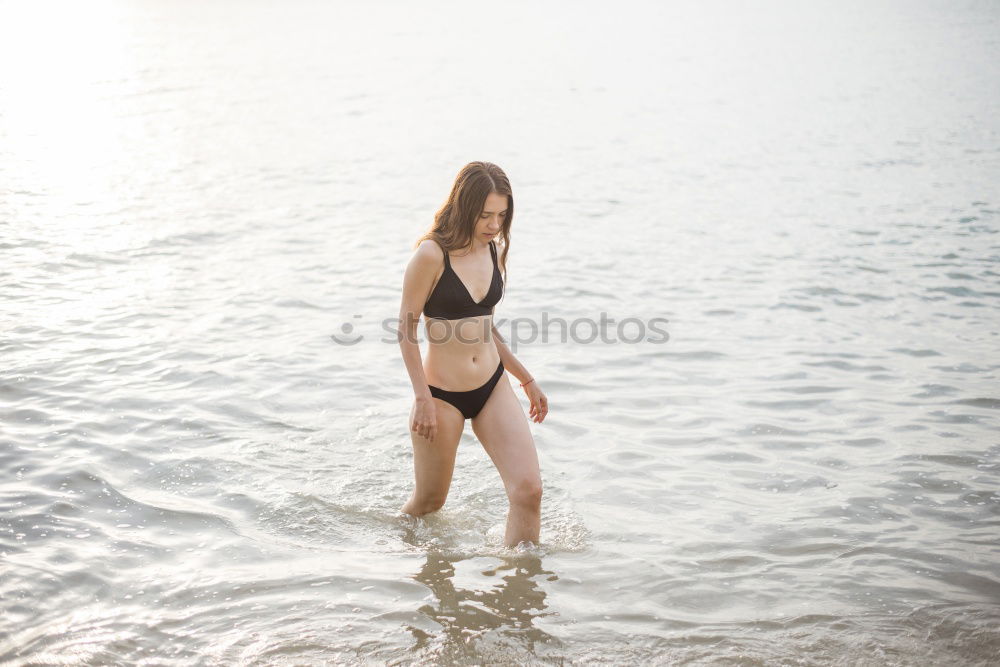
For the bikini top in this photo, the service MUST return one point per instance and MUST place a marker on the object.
(450, 300)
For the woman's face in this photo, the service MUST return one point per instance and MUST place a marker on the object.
(492, 217)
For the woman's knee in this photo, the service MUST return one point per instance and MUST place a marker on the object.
(526, 493)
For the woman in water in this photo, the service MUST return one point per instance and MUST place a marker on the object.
(454, 278)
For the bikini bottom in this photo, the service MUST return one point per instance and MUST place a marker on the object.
(472, 401)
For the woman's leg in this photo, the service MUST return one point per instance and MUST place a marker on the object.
(503, 429)
(434, 462)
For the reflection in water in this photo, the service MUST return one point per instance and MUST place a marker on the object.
(473, 621)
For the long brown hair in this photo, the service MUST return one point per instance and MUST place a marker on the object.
(455, 222)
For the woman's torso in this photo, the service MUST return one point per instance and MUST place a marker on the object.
(462, 354)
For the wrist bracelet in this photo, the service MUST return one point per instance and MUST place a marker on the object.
(528, 382)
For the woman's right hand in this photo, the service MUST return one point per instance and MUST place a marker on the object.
(424, 418)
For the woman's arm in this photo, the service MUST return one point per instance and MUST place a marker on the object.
(417, 282)
(539, 402)
(510, 362)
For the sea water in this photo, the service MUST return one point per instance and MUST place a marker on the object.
(205, 212)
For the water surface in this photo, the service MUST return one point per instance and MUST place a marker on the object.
(195, 197)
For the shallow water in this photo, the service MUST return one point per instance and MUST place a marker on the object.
(196, 198)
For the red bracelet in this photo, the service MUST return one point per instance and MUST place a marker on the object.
(528, 382)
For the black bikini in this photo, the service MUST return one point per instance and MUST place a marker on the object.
(451, 300)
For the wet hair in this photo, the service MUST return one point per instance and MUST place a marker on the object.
(455, 222)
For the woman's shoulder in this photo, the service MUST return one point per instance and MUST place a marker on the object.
(429, 253)
(431, 248)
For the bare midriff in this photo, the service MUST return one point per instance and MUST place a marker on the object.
(461, 354)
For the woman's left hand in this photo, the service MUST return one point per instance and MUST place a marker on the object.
(539, 402)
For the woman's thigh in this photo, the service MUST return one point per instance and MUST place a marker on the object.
(503, 429)
(434, 462)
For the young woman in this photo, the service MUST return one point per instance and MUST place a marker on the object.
(455, 280)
